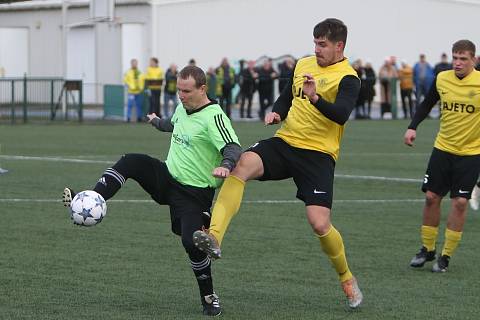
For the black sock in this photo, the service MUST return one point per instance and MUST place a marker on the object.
(110, 182)
(203, 273)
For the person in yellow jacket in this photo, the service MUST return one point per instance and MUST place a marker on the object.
(154, 80)
(134, 81)
(405, 74)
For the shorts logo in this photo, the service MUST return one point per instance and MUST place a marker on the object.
(318, 192)
(463, 191)
(254, 145)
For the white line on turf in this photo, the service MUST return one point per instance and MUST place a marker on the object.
(244, 201)
(60, 159)
(53, 159)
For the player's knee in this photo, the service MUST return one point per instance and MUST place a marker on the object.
(250, 166)
(459, 204)
(129, 161)
(432, 199)
(320, 227)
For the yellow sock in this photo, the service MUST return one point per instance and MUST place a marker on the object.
(429, 237)
(226, 206)
(332, 245)
(452, 239)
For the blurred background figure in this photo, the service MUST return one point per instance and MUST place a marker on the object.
(360, 104)
(386, 74)
(134, 81)
(443, 65)
(286, 69)
(369, 84)
(248, 78)
(225, 83)
(211, 83)
(170, 90)
(266, 77)
(422, 78)
(405, 74)
(154, 81)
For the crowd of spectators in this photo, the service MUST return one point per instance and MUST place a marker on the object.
(236, 86)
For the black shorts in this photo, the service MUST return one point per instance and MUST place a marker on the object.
(184, 200)
(312, 171)
(447, 172)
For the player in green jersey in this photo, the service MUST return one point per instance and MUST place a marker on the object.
(204, 149)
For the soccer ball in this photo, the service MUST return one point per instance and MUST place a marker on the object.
(88, 208)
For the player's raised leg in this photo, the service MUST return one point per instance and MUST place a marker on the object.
(332, 245)
(139, 167)
(228, 202)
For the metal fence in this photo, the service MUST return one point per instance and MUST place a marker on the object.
(30, 98)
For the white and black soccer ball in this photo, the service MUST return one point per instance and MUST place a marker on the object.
(88, 208)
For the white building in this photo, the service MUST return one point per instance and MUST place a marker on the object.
(207, 30)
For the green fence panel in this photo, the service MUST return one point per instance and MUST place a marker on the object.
(113, 101)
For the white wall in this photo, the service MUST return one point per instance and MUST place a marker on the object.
(13, 52)
(211, 29)
(81, 62)
(133, 46)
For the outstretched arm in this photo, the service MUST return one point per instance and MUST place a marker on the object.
(164, 125)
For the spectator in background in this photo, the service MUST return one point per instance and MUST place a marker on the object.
(386, 74)
(286, 69)
(443, 65)
(192, 62)
(393, 61)
(134, 81)
(422, 77)
(369, 84)
(360, 104)
(478, 63)
(154, 78)
(170, 91)
(225, 83)
(405, 74)
(211, 83)
(266, 77)
(248, 77)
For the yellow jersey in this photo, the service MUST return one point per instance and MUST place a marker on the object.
(305, 126)
(134, 81)
(154, 73)
(460, 113)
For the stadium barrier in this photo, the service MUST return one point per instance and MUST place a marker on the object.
(40, 98)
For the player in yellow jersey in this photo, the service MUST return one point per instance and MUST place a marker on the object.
(313, 109)
(455, 160)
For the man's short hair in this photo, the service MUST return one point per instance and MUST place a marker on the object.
(196, 73)
(464, 45)
(155, 60)
(332, 29)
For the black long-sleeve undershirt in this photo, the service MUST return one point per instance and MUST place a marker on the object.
(426, 106)
(164, 125)
(231, 154)
(339, 111)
